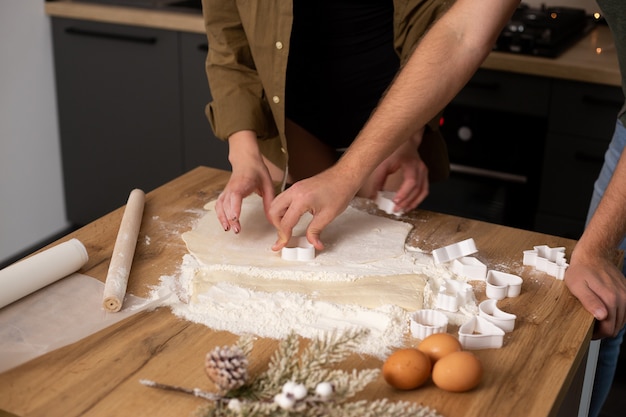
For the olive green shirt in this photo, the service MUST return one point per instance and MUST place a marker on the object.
(247, 65)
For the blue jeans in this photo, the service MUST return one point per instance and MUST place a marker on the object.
(609, 347)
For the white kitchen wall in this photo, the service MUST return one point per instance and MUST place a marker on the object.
(31, 188)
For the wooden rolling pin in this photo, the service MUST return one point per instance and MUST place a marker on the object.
(123, 252)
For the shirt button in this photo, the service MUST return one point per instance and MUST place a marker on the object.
(283, 150)
(279, 45)
(276, 99)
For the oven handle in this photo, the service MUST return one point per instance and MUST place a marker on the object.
(487, 173)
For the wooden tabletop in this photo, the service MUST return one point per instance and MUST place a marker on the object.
(99, 375)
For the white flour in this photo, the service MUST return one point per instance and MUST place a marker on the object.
(225, 288)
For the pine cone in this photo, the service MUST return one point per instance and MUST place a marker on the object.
(227, 367)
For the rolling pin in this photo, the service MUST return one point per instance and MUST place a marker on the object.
(123, 252)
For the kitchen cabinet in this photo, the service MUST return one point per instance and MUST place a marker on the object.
(131, 111)
(582, 119)
(200, 146)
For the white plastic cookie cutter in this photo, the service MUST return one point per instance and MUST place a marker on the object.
(452, 294)
(547, 259)
(298, 249)
(384, 201)
(426, 322)
(479, 333)
(501, 285)
(454, 251)
(469, 267)
(489, 310)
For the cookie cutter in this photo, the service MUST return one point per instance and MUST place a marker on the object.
(454, 251)
(298, 249)
(546, 259)
(489, 310)
(480, 333)
(501, 285)
(452, 294)
(384, 201)
(469, 267)
(425, 322)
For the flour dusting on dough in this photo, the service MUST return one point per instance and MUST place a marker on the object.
(365, 278)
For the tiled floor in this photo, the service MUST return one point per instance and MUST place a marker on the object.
(615, 405)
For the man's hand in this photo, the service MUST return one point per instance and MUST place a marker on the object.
(601, 289)
(325, 196)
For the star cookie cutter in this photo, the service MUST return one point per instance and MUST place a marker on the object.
(454, 251)
(480, 333)
(426, 322)
(489, 310)
(384, 201)
(469, 267)
(501, 285)
(298, 249)
(546, 259)
(452, 294)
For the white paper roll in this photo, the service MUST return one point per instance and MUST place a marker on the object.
(31, 274)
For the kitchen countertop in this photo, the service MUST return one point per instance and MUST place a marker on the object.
(592, 59)
(99, 375)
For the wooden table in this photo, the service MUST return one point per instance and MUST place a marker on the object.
(99, 375)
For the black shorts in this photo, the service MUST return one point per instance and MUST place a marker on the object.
(341, 60)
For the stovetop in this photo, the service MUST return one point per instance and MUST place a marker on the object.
(545, 31)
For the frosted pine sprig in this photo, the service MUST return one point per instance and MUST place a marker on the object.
(294, 384)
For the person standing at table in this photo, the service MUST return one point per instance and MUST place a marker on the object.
(592, 275)
(294, 82)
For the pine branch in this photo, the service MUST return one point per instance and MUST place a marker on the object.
(196, 392)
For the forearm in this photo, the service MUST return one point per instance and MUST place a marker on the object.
(443, 62)
(607, 227)
(243, 148)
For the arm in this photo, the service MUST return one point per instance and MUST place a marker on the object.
(238, 112)
(592, 275)
(442, 63)
(238, 101)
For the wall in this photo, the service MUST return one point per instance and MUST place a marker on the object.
(31, 189)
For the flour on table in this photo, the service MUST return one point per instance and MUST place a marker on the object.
(365, 277)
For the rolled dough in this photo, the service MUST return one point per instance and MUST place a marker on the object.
(365, 277)
(356, 244)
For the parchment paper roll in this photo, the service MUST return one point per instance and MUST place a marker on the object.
(123, 252)
(31, 274)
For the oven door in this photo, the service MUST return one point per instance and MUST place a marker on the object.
(495, 166)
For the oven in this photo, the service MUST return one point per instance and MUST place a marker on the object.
(495, 131)
(496, 127)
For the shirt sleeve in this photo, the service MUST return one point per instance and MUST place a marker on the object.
(238, 98)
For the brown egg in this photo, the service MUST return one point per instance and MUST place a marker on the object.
(407, 368)
(458, 372)
(438, 345)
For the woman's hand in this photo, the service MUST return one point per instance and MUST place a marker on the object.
(250, 174)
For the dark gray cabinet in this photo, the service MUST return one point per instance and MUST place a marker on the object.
(582, 119)
(131, 111)
(200, 146)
